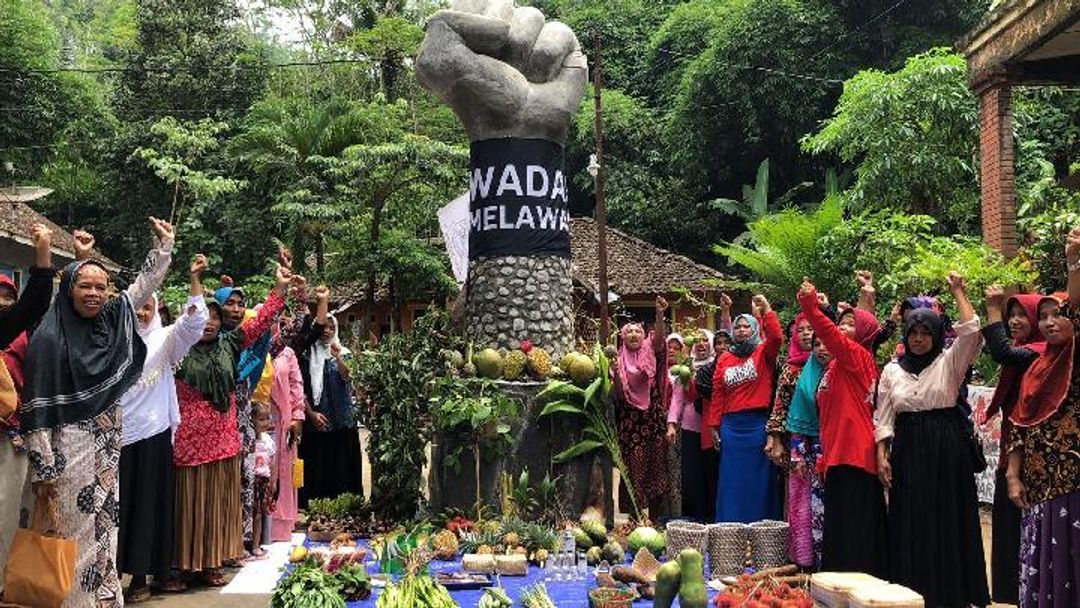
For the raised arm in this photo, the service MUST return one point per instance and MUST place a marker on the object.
(155, 266)
(1072, 260)
(254, 328)
(188, 329)
(867, 293)
(965, 349)
(997, 342)
(34, 302)
(839, 345)
(725, 312)
(774, 333)
(660, 327)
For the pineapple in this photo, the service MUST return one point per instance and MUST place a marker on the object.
(540, 538)
(514, 365)
(513, 529)
(539, 363)
(445, 545)
(482, 542)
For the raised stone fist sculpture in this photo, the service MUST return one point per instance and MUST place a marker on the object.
(503, 70)
(515, 82)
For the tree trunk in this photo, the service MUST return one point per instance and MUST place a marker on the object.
(369, 292)
(320, 254)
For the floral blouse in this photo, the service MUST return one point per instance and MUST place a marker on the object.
(1051, 449)
(206, 435)
(785, 392)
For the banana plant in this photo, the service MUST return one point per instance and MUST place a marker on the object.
(593, 404)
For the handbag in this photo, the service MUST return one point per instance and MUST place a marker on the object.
(9, 396)
(40, 569)
(298, 473)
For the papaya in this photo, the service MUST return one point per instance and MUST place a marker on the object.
(667, 585)
(692, 592)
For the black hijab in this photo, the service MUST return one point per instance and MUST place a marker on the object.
(932, 321)
(76, 368)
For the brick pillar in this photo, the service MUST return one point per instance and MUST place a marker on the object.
(997, 174)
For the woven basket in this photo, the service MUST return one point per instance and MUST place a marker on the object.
(686, 535)
(610, 597)
(769, 543)
(727, 549)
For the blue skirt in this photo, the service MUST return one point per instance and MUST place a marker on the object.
(748, 488)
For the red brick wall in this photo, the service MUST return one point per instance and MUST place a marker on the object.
(997, 175)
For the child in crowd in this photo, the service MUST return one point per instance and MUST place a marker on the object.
(264, 489)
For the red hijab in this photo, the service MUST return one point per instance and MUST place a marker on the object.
(1011, 375)
(796, 356)
(866, 326)
(1046, 383)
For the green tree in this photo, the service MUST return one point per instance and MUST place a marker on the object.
(912, 136)
(738, 102)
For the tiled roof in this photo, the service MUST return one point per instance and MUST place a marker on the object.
(15, 221)
(634, 266)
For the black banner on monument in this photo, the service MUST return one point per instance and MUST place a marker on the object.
(517, 199)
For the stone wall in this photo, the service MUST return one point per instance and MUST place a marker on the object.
(511, 299)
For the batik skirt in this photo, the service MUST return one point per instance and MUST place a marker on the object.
(1050, 554)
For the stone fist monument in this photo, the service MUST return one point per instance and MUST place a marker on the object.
(515, 81)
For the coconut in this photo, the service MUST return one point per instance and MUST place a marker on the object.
(582, 370)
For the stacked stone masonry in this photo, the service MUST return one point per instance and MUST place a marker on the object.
(516, 298)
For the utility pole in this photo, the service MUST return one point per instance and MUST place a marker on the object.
(601, 207)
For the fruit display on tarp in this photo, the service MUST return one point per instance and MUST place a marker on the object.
(327, 518)
(311, 584)
(646, 537)
(613, 553)
(764, 592)
(415, 590)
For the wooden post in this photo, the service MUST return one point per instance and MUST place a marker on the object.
(601, 207)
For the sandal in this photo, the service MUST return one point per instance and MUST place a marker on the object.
(135, 595)
(213, 578)
(173, 585)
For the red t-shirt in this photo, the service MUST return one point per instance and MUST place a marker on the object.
(845, 397)
(746, 383)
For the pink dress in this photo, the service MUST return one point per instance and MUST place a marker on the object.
(287, 401)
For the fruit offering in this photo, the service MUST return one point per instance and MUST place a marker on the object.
(763, 593)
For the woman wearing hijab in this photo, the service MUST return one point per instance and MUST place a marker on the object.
(796, 388)
(85, 355)
(1015, 357)
(748, 486)
(289, 404)
(150, 412)
(935, 540)
(207, 443)
(854, 519)
(17, 315)
(1044, 453)
(640, 411)
(331, 447)
(684, 423)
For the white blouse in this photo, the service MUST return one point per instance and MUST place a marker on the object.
(935, 388)
(150, 407)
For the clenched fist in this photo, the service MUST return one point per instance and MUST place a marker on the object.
(503, 69)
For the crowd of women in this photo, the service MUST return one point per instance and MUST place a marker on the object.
(166, 448)
(876, 465)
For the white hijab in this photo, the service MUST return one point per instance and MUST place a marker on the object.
(320, 354)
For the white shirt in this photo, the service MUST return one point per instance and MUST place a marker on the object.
(935, 388)
(150, 406)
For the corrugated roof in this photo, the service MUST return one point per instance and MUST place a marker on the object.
(16, 219)
(634, 266)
